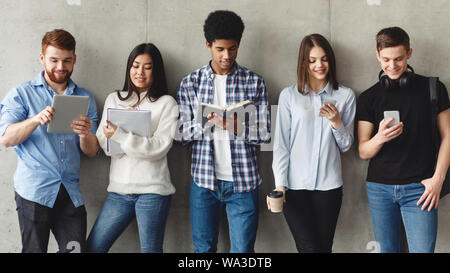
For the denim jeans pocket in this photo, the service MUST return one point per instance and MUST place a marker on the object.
(413, 192)
(374, 188)
(416, 186)
(152, 201)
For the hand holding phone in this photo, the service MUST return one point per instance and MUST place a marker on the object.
(330, 112)
(387, 132)
(392, 114)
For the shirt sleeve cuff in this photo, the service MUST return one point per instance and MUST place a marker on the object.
(281, 182)
(339, 133)
(5, 121)
(3, 127)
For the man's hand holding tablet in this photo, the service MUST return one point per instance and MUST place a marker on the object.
(82, 127)
(68, 115)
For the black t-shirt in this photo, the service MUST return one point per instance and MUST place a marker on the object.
(409, 157)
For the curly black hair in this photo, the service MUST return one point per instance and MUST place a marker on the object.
(223, 24)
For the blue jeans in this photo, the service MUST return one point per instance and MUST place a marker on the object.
(389, 204)
(150, 210)
(206, 210)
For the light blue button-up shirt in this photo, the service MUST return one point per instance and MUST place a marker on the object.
(45, 160)
(306, 152)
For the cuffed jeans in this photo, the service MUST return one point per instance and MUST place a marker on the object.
(206, 210)
(150, 210)
(389, 204)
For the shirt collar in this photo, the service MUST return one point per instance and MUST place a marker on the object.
(328, 89)
(39, 80)
(210, 73)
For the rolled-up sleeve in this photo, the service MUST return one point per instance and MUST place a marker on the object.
(12, 110)
(93, 114)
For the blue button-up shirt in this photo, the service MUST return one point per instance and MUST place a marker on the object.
(306, 152)
(45, 160)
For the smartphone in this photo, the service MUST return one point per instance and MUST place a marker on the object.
(329, 101)
(392, 114)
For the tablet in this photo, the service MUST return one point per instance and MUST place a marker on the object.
(67, 108)
(136, 121)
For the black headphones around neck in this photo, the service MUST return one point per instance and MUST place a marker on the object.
(401, 82)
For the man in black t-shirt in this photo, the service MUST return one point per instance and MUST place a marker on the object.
(403, 183)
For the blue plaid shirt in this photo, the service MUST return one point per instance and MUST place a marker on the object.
(242, 84)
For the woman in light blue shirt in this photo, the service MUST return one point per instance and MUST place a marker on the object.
(314, 125)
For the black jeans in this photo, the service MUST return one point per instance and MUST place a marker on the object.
(67, 223)
(312, 218)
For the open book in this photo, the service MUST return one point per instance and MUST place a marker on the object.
(136, 121)
(238, 108)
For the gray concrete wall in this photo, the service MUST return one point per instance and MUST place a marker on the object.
(106, 31)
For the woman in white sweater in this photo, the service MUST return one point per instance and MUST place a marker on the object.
(139, 179)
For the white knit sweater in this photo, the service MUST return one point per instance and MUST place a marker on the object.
(143, 166)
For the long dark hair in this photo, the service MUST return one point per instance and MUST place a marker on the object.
(159, 83)
(303, 61)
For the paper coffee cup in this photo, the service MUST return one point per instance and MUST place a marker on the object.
(276, 201)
